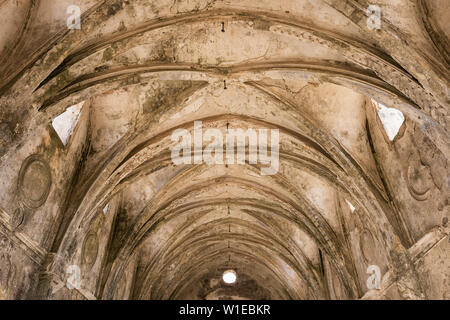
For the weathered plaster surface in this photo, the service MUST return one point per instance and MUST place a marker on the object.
(101, 193)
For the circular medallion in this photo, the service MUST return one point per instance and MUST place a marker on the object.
(90, 250)
(34, 181)
(368, 247)
(418, 180)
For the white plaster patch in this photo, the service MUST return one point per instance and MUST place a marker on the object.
(105, 209)
(352, 208)
(65, 123)
(392, 119)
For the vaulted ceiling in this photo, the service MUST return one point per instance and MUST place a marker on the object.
(87, 179)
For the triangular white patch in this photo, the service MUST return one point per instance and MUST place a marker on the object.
(352, 208)
(392, 119)
(65, 123)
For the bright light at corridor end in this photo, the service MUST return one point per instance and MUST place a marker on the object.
(229, 277)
